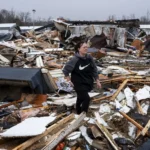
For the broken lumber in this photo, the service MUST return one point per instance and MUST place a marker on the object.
(9, 104)
(139, 80)
(74, 125)
(146, 128)
(113, 80)
(101, 98)
(121, 78)
(14, 102)
(50, 129)
(140, 110)
(119, 89)
(107, 135)
(133, 122)
(144, 131)
(105, 131)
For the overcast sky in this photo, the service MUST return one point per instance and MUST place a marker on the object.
(79, 9)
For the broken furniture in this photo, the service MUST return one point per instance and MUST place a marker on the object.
(22, 80)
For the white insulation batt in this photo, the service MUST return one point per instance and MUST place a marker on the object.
(29, 127)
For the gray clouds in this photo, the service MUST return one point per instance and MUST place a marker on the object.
(79, 9)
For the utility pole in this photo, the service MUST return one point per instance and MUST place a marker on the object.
(33, 16)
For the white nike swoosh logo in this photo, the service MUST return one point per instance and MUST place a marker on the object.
(81, 68)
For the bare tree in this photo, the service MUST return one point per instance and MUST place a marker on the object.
(112, 18)
(21, 18)
(24, 17)
(132, 16)
(124, 17)
(4, 14)
(49, 19)
(143, 20)
(148, 14)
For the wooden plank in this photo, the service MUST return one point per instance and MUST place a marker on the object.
(140, 110)
(139, 80)
(122, 77)
(146, 128)
(65, 132)
(119, 89)
(134, 122)
(113, 80)
(144, 131)
(101, 98)
(14, 102)
(107, 135)
(105, 132)
(45, 140)
(50, 129)
(9, 104)
(131, 120)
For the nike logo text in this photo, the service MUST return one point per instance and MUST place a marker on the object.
(81, 68)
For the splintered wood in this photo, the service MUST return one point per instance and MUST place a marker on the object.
(107, 135)
(74, 125)
(119, 89)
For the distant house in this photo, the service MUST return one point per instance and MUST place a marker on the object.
(146, 28)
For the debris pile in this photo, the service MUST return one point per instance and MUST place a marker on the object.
(38, 104)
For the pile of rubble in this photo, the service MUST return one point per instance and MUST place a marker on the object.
(38, 104)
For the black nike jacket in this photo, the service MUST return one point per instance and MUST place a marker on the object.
(83, 72)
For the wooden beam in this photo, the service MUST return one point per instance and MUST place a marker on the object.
(74, 125)
(131, 120)
(121, 78)
(9, 104)
(50, 129)
(112, 80)
(14, 102)
(101, 98)
(144, 131)
(140, 110)
(146, 128)
(119, 89)
(134, 122)
(139, 80)
(107, 135)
